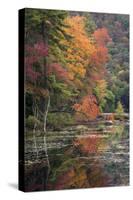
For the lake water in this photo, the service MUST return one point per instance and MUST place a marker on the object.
(82, 156)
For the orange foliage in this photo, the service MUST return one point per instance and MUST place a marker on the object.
(99, 57)
(89, 144)
(79, 48)
(85, 56)
(87, 109)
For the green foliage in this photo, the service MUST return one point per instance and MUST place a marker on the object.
(101, 91)
(102, 105)
(59, 120)
(90, 25)
(123, 75)
(61, 93)
(105, 97)
(53, 22)
(119, 111)
(110, 101)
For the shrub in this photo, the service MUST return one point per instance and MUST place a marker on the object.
(31, 120)
(59, 120)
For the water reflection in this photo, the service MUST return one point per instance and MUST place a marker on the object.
(93, 159)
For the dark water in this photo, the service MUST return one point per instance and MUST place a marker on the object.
(80, 156)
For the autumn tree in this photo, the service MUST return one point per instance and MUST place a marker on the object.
(119, 109)
(97, 70)
(79, 48)
(101, 36)
(87, 109)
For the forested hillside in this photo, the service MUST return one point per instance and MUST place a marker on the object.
(118, 64)
(76, 62)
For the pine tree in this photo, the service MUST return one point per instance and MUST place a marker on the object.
(119, 109)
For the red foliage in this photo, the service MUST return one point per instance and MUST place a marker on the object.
(99, 57)
(58, 70)
(33, 55)
(33, 76)
(101, 36)
(38, 49)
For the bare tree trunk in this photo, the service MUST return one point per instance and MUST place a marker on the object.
(34, 138)
(45, 130)
(45, 114)
(44, 138)
(35, 112)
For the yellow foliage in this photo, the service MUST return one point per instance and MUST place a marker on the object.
(102, 87)
(80, 47)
